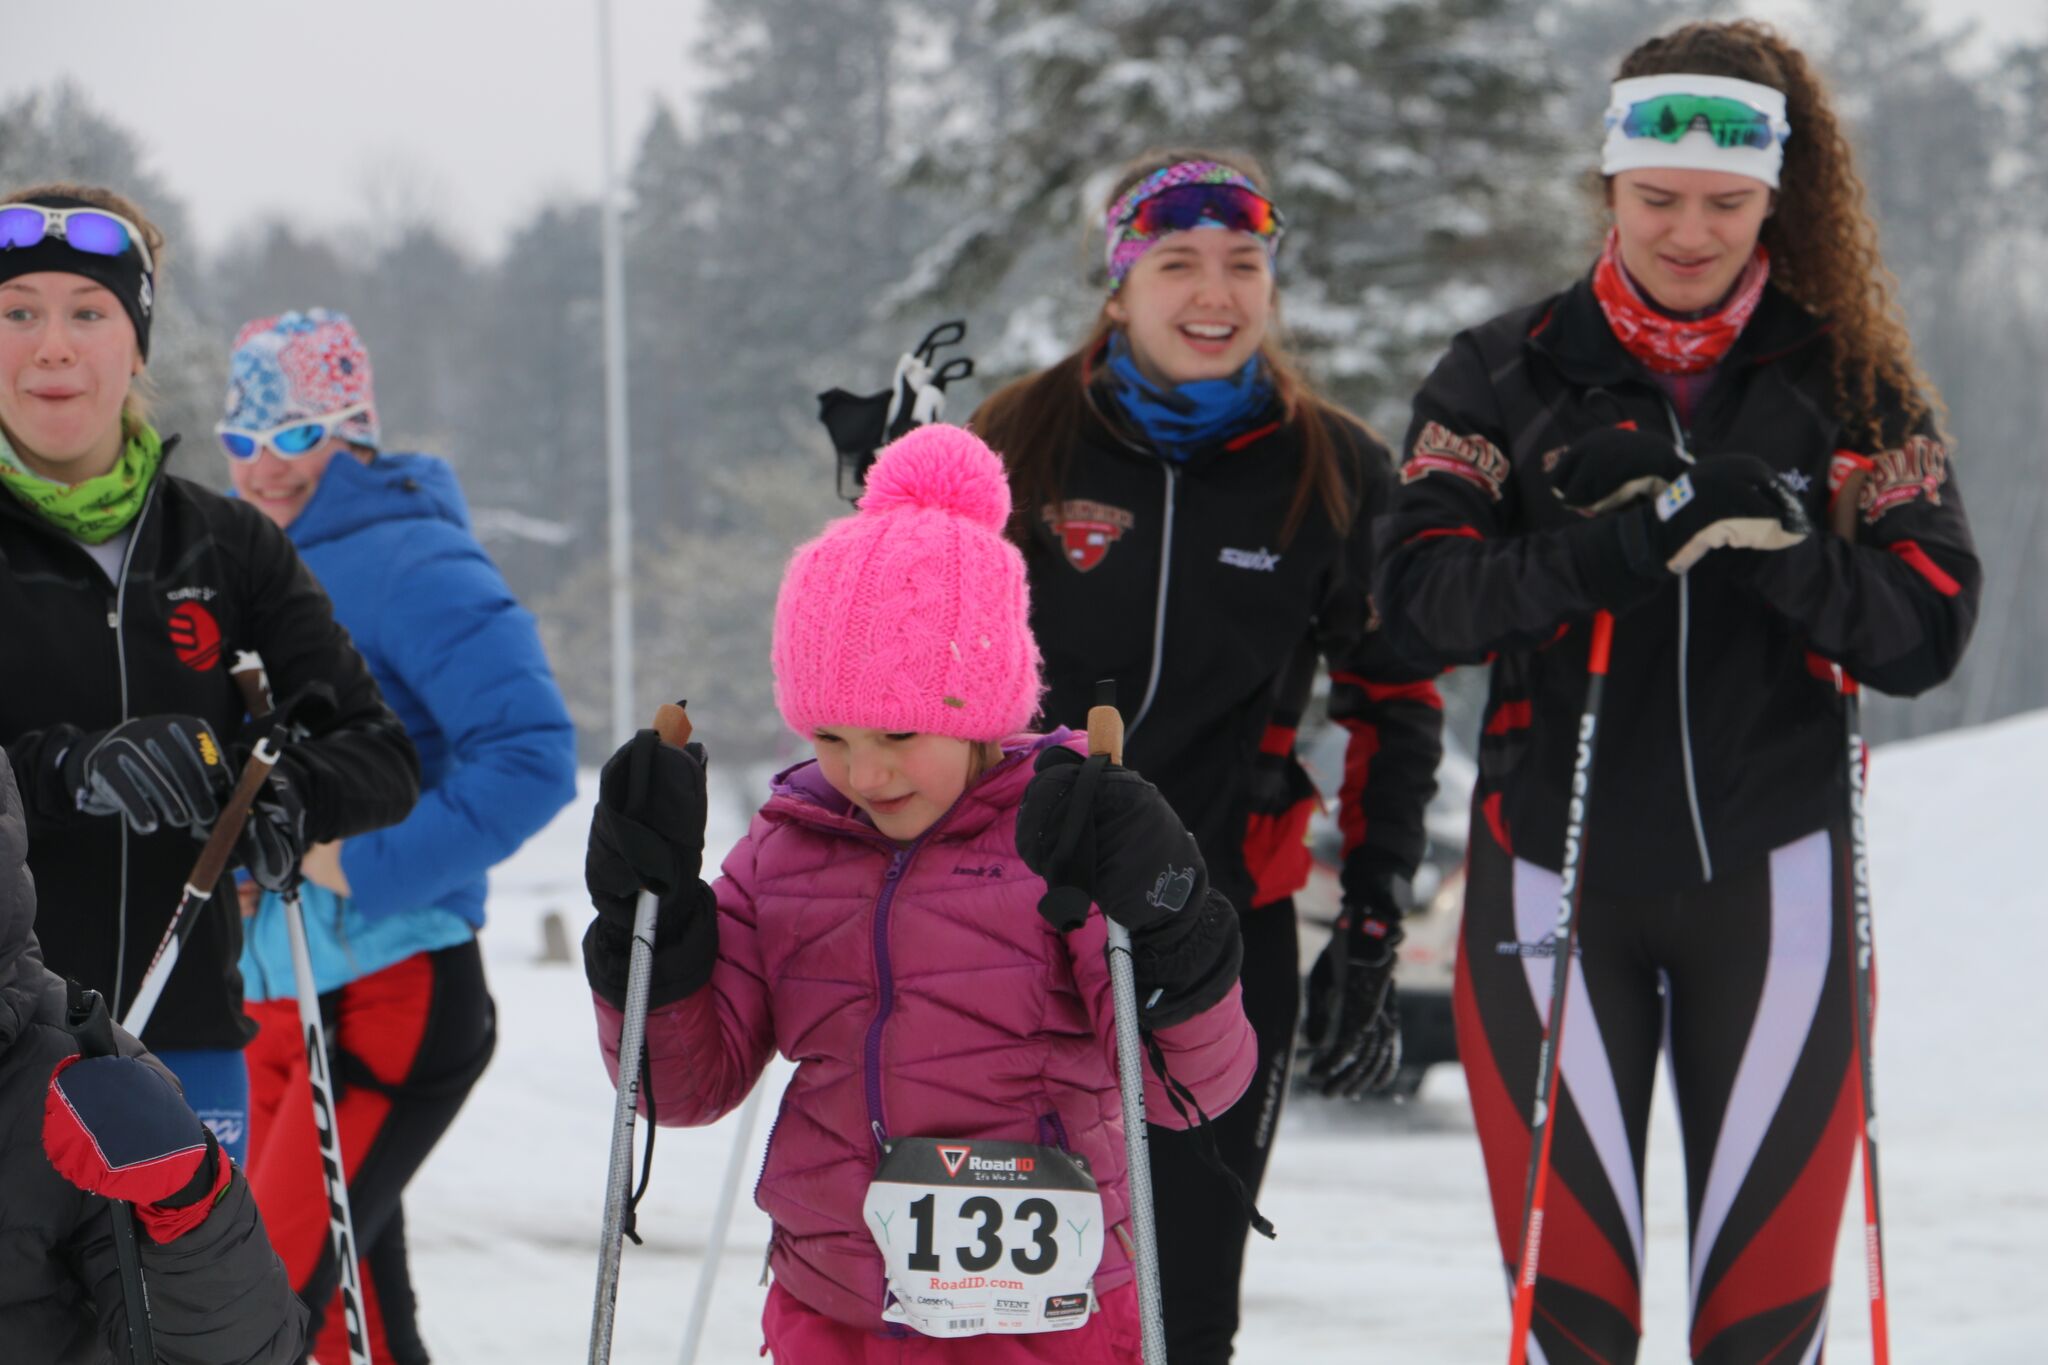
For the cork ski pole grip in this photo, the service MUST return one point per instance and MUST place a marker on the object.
(1106, 723)
(672, 723)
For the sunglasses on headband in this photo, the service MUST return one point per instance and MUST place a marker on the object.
(93, 231)
(1731, 122)
(1190, 206)
(290, 440)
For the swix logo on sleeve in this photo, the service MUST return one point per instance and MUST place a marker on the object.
(195, 635)
(1086, 529)
(1476, 460)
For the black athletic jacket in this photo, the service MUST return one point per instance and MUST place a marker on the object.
(218, 1294)
(1173, 580)
(1721, 734)
(205, 577)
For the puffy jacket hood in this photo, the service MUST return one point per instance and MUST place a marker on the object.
(353, 496)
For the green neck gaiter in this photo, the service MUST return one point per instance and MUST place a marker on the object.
(99, 509)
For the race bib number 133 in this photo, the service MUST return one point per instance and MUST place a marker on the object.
(983, 1237)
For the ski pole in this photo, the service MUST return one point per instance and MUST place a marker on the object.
(1106, 736)
(1863, 955)
(673, 725)
(1550, 1057)
(341, 1227)
(213, 861)
(1846, 476)
(721, 1224)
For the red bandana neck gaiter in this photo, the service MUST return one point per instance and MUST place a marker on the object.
(1669, 345)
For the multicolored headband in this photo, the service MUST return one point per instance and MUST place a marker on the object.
(1188, 194)
(1696, 123)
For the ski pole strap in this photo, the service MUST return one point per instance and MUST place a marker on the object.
(631, 1223)
(1204, 1132)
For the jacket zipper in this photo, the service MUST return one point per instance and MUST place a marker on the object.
(885, 980)
(114, 620)
(1159, 608)
(1692, 786)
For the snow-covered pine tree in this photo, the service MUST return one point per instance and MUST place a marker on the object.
(1416, 148)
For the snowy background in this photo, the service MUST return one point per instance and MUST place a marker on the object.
(1386, 1249)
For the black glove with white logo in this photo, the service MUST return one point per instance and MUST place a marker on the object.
(1354, 1016)
(153, 772)
(1611, 467)
(1727, 502)
(1099, 833)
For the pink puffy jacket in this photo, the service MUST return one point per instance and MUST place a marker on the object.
(921, 995)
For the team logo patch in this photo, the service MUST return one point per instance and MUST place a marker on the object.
(1086, 529)
(195, 635)
(1476, 460)
(954, 1155)
(1917, 469)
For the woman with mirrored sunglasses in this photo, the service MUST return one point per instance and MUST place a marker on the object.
(392, 916)
(1719, 442)
(1196, 521)
(128, 593)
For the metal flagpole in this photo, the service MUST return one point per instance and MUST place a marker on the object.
(618, 473)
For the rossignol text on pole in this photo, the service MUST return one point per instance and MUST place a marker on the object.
(1550, 1057)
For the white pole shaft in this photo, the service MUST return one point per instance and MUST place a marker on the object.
(721, 1224)
(340, 1222)
(617, 442)
(1130, 1076)
(619, 1174)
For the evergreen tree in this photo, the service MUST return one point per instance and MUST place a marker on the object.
(1415, 148)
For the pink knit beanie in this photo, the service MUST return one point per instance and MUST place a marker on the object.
(912, 614)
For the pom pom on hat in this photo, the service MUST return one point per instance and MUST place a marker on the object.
(945, 469)
(914, 613)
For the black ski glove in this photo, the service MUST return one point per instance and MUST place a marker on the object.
(153, 772)
(1099, 833)
(647, 831)
(1730, 501)
(273, 839)
(1612, 466)
(1354, 1016)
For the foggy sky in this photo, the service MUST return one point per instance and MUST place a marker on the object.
(473, 110)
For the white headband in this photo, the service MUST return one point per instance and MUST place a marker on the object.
(1696, 149)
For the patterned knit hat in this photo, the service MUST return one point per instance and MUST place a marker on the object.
(913, 613)
(298, 366)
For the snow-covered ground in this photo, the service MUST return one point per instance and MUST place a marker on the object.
(1386, 1250)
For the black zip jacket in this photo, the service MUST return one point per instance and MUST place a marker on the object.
(204, 578)
(1721, 733)
(216, 1294)
(1173, 579)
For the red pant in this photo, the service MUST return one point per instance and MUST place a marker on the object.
(408, 1041)
(798, 1336)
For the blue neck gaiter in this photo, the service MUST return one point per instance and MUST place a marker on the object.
(1180, 419)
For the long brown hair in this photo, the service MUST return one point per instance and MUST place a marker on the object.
(1033, 422)
(1822, 238)
(134, 408)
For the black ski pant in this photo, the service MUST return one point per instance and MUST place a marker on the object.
(1202, 1227)
(1745, 985)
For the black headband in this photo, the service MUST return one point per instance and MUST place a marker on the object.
(123, 275)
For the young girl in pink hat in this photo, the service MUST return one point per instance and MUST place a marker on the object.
(946, 1173)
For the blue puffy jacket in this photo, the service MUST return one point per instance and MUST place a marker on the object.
(460, 662)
